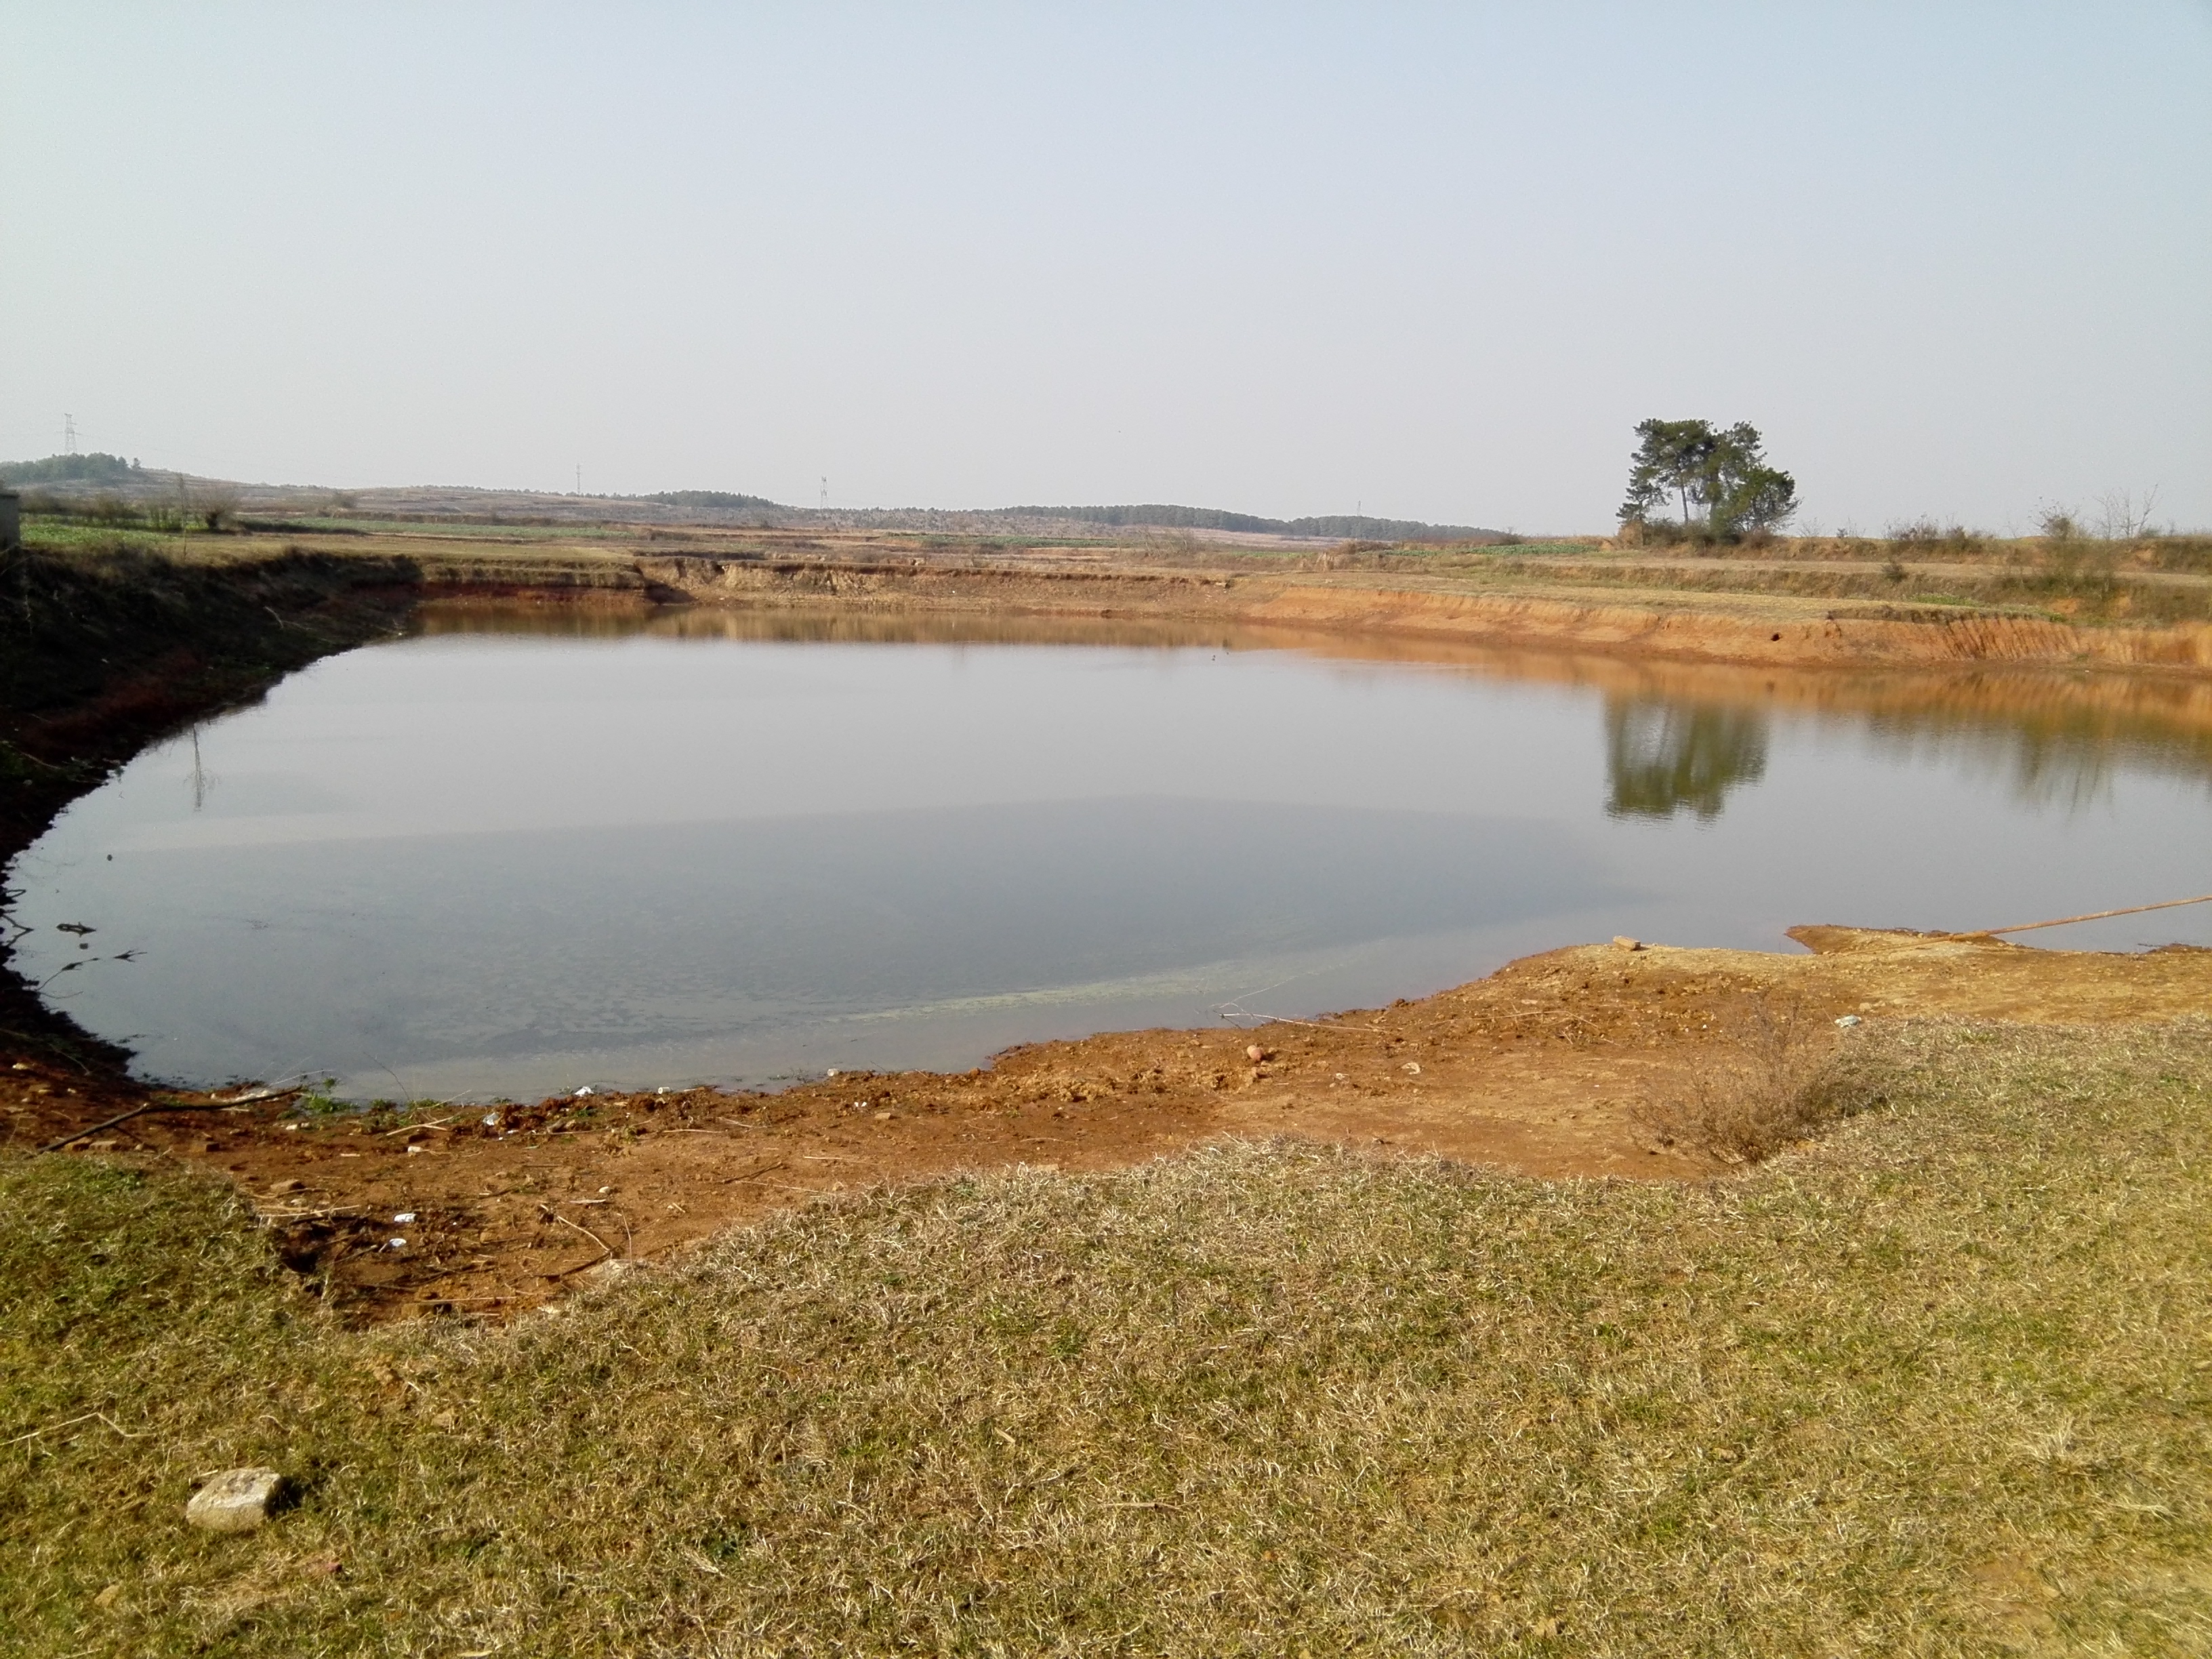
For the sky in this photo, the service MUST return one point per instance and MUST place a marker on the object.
(1433, 261)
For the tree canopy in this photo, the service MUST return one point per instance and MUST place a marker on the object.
(707, 498)
(1720, 479)
(95, 468)
(1341, 525)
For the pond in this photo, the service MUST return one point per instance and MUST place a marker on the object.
(516, 854)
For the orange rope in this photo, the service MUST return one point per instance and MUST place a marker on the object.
(2094, 915)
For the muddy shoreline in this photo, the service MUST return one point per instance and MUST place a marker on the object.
(1542, 1068)
(1549, 1067)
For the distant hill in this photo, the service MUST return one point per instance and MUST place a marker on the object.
(82, 478)
(1348, 526)
(95, 468)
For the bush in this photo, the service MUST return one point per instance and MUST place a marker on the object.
(1792, 1074)
(1930, 535)
(216, 509)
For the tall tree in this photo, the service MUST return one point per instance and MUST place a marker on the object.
(1672, 459)
(1723, 474)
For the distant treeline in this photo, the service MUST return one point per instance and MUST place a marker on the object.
(95, 468)
(1341, 526)
(102, 469)
(705, 498)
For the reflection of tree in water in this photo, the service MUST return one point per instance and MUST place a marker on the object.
(2052, 762)
(1661, 757)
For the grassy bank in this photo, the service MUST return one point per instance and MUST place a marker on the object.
(1938, 1386)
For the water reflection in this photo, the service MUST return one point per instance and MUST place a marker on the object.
(615, 618)
(1678, 735)
(1661, 757)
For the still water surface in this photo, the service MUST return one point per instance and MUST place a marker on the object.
(494, 859)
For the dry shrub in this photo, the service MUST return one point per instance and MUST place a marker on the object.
(1793, 1072)
(1168, 544)
(217, 508)
(1932, 536)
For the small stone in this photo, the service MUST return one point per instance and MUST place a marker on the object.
(237, 1500)
(286, 1186)
(1411, 1065)
(107, 1598)
(1626, 943)
(883, 1117)
(1848, 1020)
(1255, 1054)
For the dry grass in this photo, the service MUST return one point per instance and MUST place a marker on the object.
(1937, 1386)
(1791, 1074)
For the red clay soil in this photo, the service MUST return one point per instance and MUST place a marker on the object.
(1543, 1067)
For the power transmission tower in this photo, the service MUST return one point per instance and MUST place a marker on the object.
(825, 494)
(69, 434)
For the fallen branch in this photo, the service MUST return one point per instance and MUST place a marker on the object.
(124, 1117)
(586, 1232)
(754, 1173)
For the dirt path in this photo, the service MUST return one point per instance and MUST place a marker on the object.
(1541, 1068)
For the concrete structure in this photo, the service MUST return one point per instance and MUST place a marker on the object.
(11, 520)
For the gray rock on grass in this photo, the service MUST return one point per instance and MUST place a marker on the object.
(237, 1500)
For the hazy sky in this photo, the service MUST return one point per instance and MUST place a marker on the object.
(1433, 261)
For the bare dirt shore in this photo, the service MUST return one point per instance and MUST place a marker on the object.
(1548, 1067)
